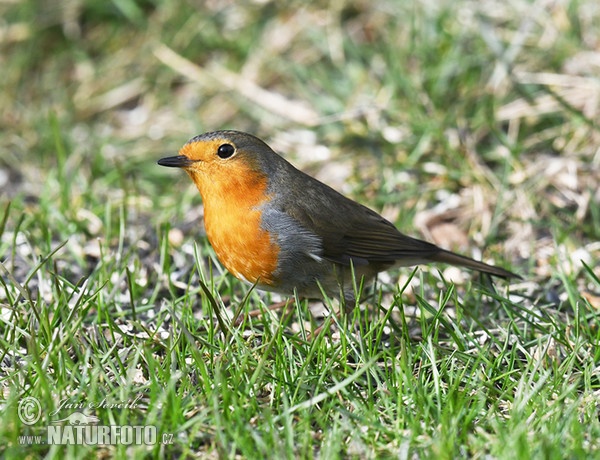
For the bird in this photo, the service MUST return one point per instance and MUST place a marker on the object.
(282, 230)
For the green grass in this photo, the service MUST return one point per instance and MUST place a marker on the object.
(473, 124)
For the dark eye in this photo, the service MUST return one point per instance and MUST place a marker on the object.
(225, 151)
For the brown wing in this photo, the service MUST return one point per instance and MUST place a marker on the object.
(373, 239)
(353, 233)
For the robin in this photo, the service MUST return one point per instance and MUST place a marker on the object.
(276, 227)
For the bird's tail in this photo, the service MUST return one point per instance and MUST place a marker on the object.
(448, 257)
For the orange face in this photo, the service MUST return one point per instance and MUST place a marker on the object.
(233, 188)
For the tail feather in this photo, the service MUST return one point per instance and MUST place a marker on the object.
(448, 257)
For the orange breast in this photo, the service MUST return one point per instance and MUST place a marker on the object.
(232, 223)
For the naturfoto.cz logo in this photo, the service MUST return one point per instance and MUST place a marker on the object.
(80, 428)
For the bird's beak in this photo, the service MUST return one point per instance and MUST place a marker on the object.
(179, 161)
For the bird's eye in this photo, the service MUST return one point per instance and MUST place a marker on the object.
(225, 151)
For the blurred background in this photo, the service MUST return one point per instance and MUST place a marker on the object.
(471, 123)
